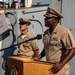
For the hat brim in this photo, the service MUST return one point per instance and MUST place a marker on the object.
(49, 15)
(51, 12)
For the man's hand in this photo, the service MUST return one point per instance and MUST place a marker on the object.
(36, 58)
(56, 68)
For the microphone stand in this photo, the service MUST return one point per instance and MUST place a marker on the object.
(37, 37)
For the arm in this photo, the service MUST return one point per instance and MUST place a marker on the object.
(36, 52)
(42, 54)
(58, 66)
(68, 41)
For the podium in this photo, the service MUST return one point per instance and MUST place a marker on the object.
(22, 66)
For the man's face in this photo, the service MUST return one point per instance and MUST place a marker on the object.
(49, 21)
(23, 27)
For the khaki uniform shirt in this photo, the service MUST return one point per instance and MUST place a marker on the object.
(26, 49)
(58, 43)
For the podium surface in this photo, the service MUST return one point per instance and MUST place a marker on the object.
(23, 66)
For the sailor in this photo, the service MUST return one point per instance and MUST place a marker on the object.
(59, 44)
(28, 49)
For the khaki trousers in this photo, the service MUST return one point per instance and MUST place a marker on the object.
(65, 70)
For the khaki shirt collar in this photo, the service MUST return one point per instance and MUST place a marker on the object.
(27, 35)
(56, 28)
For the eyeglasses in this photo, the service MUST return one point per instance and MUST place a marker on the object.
(46, 18)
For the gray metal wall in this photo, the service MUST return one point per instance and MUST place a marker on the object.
(37, 27)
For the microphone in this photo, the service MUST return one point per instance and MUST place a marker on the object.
(39, 36)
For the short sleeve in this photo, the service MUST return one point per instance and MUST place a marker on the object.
(34, 44)
(68, 40)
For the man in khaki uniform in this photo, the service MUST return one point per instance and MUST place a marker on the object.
(27, 49)
(59, 44)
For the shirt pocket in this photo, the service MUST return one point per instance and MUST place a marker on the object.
(26, 44)
(53, 43)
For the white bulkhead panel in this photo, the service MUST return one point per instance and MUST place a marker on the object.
(68, 11)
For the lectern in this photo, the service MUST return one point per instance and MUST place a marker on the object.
(22, 66)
